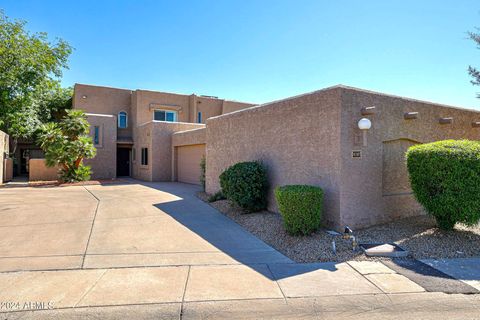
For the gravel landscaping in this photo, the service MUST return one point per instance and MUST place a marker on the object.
(419, 235)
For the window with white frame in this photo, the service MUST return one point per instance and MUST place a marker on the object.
(165, 115)
(122, 120)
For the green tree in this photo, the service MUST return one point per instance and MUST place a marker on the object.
(30, 69)
(474, 72)
(66, 144)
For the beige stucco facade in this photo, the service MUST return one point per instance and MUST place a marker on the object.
(297, 139)
(314, 139)
(103, 106)
(375, 187)
(157, 137)
(104, 165)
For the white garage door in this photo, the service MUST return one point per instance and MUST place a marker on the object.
(188, 163)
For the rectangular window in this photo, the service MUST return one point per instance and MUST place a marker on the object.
(165, 115)
(144, 161)
(96, 135)
(199, 117)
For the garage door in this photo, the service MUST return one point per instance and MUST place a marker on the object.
(188, 163)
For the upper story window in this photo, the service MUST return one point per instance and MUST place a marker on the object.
(122, 120)
(165, 115)
(199, 117)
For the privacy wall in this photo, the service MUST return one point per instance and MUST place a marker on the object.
(298, 140)
(315, 139)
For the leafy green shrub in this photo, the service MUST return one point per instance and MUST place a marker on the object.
(445, 179)
(300, 207)
(246, 184)
(202, 172)
(66, 144)
(217, 196)
(82, 173)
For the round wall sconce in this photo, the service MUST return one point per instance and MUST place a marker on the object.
(364, 124)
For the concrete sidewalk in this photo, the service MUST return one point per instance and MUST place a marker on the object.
(180, 284)
(425, 306)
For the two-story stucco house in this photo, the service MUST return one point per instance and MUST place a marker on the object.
(132, 129)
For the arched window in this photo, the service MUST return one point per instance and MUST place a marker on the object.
(122, 120)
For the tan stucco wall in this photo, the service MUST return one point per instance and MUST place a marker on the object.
(208, 107)
(104, 164)
(4, 170)
(231, 106)
(375, 187)
(104, 100)
(148, 101)
(189, 137)
(157, 137)
(143, 139)
(298, 139)
(38, 171)
(309, 139)
(8, 170)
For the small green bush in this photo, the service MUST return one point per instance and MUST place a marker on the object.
(215, 197)
(445, 179)
(300, 207)
(202, 172)
(82, 173)
(246, 184)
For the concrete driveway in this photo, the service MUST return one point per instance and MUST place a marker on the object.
(155, 250)
(119, 225)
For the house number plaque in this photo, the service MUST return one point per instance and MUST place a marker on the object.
(356, 154)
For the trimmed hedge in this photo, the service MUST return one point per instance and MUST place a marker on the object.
(300, 207)
(445, 179)
(246, 184)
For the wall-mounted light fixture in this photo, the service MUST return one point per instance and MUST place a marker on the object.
(368, 111)
(364, 124)
(84, 97)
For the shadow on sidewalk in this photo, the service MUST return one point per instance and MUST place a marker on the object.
(230, 238)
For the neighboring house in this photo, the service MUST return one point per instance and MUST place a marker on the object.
(312, 138)
(132, 130)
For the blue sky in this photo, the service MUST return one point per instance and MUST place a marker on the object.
(264, 50)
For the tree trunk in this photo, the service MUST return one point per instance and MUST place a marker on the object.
(77, 162)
